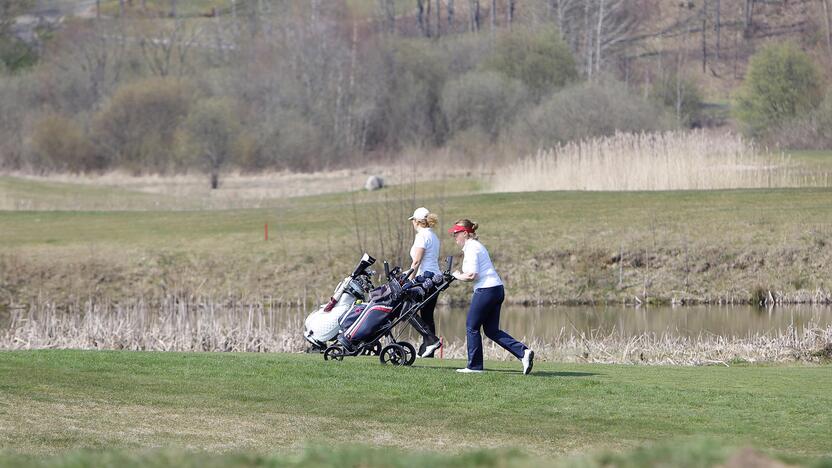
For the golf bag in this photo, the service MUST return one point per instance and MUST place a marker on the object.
(323, 325)
(389, 305)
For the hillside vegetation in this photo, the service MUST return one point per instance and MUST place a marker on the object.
(713, 246)
(156, 86)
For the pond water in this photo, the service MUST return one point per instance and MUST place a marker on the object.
(541, 323)
(548, 322)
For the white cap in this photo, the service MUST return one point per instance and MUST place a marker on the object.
(420, 214)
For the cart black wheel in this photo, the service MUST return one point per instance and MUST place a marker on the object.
(373, 350)
(376, 349)
(409, 352)
(334, 353)
(393, 354)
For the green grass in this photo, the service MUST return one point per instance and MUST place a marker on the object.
(58, 402)
(184, 8)
(812, 159)
(358, 8)
(370, 8)
(23, 194)
(550, 246)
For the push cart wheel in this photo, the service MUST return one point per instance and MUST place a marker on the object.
(409, 352)
(373, 350)
(393, 354)
(334, 353)
(376, 349)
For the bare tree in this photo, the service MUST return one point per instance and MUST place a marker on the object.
(388, 12)
(98, 53)
(167, 45)
(748, 18)
(828, 16)
(704, 37)
(474, 9)
(423, 16)
(718, 25)
(438, 18)
(493, 16)
(594, 28)
(450, 15)
(212, 130)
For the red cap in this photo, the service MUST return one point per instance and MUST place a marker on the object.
(457, 228)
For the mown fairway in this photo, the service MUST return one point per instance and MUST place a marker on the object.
(57, 401)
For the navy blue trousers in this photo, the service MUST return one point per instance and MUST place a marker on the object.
(485, 313)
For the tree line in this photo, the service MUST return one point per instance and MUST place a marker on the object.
(312, 85)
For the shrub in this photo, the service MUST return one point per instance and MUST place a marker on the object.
(15, 54)
(812, 131)
(288, 141)
(15, 105)
(484, 100)
(781, 83)
(682, 96)
(58, 143)
(404, 84)
(136, 128)
(589, 110)
(212, 130)
(540, 59)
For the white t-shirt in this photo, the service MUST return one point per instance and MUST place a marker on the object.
(426, 239)
(476, 260)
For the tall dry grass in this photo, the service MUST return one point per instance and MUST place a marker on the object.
(679, 160)
(178, 324)
(175, 324)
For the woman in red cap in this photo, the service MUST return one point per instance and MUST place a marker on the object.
(486, 302)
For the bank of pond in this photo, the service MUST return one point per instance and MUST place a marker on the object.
(649, 334)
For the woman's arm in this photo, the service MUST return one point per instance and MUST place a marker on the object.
(418, 254)
(464, 276)
(468, 272)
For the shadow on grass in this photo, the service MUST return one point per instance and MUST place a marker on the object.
(518, 371)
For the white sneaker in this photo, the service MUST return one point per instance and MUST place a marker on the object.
(528, 361)
(431, 348)
(466, 370)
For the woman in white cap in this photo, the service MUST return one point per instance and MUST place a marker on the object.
(425, 256)
(486, 302)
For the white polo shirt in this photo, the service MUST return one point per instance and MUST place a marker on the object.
(426, 239)
(476, 260)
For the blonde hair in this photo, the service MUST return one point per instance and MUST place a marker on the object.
(429, 221)
(464, 222)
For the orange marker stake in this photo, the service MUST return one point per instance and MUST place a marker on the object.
(442, 348)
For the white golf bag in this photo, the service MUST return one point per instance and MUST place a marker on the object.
(322, 325)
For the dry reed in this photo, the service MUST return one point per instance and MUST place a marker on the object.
(691, 160)
(175, 324)
(204, 325)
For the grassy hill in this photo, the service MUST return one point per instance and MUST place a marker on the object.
(713, 246)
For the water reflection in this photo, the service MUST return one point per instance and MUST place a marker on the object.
(549, 322)
(543, 323)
